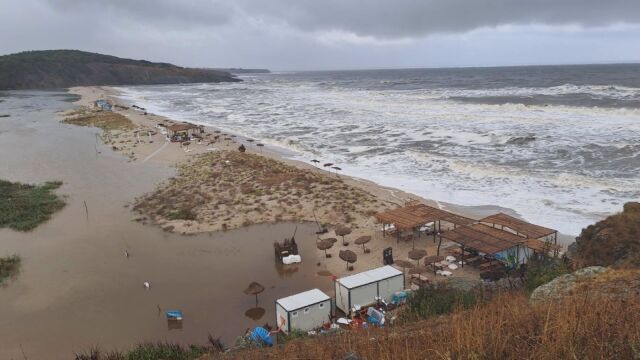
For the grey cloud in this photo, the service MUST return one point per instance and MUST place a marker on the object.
(415, 18)
(174, 13)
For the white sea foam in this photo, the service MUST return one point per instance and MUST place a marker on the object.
(577, 165)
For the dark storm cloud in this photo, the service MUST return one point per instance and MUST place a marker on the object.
(415, 18)
(178, 13)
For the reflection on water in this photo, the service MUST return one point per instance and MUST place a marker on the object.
(173, 324)
(255, 313)
(78, 289)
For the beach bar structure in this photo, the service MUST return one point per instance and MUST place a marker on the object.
(304, 311)
(415, 215)
(179, 132)
(520, 227)
(364, 288)
(486, 240)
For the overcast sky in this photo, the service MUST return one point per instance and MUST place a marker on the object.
(330, 34)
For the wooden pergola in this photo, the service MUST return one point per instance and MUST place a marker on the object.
(523, 229)
(481, 238)
(416, 214)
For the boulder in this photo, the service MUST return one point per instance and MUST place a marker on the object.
(565, 284)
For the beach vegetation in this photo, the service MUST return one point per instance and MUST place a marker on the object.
(233, 183)
(612, 241)
(541, 270)
(106, 120)
(151, 351)
(437, 300)
(23, 206)
(9, 267)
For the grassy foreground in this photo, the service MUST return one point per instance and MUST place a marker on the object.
(23, 206)
(9, 267)
(507, 327)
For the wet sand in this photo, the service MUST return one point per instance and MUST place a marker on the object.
(77, 289)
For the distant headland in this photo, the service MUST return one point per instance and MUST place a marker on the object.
(50, 69)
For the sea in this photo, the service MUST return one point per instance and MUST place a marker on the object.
(560, 145)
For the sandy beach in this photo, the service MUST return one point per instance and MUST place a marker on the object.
(325, 196)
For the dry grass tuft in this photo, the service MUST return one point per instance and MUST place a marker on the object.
(241, 188)
(508, 327)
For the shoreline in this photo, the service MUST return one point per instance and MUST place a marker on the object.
(394, 195)
(172, 157)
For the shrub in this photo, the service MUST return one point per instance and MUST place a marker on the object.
(541, 270)
(23, 207)
(438, 300)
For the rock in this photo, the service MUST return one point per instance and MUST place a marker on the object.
(521, 140)
(563, 285)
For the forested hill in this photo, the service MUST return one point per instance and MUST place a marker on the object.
(66, 68)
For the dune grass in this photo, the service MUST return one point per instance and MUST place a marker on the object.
(23, 207)
(9, 267)
(105, 120)
(152, 351)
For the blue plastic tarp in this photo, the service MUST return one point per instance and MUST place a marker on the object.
(260, 336)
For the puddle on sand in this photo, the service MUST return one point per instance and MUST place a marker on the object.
(77, 288)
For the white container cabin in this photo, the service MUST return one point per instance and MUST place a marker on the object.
(304, 311)
(363, 288)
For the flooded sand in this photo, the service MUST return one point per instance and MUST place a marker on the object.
(77, 289)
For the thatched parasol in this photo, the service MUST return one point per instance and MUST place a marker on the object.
(333, 240)
(348, 256)
(417, 254)
(419, 270)
(327, 164)
(325, 244)
(432, 260)
(260, 146)
(254, 289)
(404, 264)
(343, 230)
(363, 240)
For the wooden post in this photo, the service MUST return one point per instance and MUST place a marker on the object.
(384, 231)
(439, 243)
(462, 262)
(434, 232)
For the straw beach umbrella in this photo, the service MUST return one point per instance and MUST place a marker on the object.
(343, 230)
(349, 257)
(419, 270)
(432, 260)
(260, 146)
(327, 164)
(417, 254)
(254, 289)
(363, 240)
(404, 264)
(325, 244)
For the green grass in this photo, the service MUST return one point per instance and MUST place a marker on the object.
(152, 351)
(437, 300)
(23, 207)
(9, 267)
